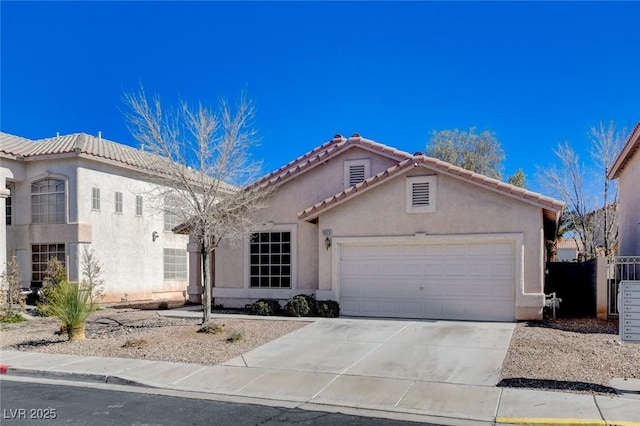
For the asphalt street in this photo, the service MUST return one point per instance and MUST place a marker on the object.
(28, 403)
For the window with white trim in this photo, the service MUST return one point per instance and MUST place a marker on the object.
(139, 205)
(118, 200)
(48, 201)
(95, 198)
(421, 194)
(270, 259)
(356, 171)
(175, 264)
(40, 255)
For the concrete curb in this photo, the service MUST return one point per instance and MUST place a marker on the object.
(532, 421)
(78, 377)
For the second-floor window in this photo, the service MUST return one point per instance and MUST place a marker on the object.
(118, 202)
(139, 205)
(48, 201)
(95, 198)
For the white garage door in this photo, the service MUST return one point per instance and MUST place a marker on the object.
(468, 281)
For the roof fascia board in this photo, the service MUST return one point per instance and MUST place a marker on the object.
(630, 148)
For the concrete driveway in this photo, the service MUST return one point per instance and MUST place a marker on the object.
(436, 351)
(436, 367)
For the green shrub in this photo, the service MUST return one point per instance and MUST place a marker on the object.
(235, 336)
(301, 305)
(71, 304)
(266, 307)
(328, 308)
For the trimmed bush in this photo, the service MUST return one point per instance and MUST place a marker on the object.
(301, 305)
(328, 308)
(266, 307)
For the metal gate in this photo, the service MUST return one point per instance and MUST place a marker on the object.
(620, 268)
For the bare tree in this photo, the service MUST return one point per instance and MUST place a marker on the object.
(589, 195)
(204, 169)
(11, 288)
(92, 275)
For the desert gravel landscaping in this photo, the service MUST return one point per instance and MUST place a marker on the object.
(577, 355)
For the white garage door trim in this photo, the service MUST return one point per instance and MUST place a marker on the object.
(517, 239)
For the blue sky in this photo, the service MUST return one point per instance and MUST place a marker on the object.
(534, 73)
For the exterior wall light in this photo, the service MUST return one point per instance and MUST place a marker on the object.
(327, 243)
(154, 236)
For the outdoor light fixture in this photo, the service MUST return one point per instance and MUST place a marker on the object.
(327, 243)
(154, 236)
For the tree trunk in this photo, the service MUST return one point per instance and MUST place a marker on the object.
(76, 333)
(206, 285)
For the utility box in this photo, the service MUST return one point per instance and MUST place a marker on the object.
(629, 310)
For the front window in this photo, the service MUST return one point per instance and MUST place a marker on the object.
(175, 264)
(47, 201)
(40, 255)
(270, 260)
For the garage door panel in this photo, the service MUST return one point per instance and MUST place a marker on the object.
(448, 281)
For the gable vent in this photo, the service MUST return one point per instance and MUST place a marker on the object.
(356, 174)
(420, 194)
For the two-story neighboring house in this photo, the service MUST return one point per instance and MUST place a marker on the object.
(66, 193)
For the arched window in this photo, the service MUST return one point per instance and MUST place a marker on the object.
(47, 201)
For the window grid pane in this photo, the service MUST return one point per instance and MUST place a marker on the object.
(175, 264)
(118, 202)
(47, 201)
(95, 198)
(171, 218)
(138, 205)
(40, 255)
(270, 260)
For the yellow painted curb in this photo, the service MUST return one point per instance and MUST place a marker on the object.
(542, 421)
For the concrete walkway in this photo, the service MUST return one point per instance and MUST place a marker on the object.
(441, 371)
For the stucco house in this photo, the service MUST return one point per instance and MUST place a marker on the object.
(65, 193)
(390, 234)
(569, 250)
(626, 169)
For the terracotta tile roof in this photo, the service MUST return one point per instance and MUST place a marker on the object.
(630, 148)
(551, 206)
(323, 153)
(81, 143)
(570, 243)
(78, 143)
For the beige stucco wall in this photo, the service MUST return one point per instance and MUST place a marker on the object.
(132, 262)
(309, 188)
(629, 212)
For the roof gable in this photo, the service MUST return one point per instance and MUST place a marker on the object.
(630, 148)
(325, 152)
(550, 206)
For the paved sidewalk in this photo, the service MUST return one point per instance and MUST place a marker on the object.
(451, 392)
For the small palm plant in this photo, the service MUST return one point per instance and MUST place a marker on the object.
(71, 304)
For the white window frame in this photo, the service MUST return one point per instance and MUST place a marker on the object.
(269, 291)
(171, 217)
(40, 259)
(139, 205)
(348, 164)
(95, 198)
(172, 273)
(58, 217)
(118, 202)
(432, 180)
